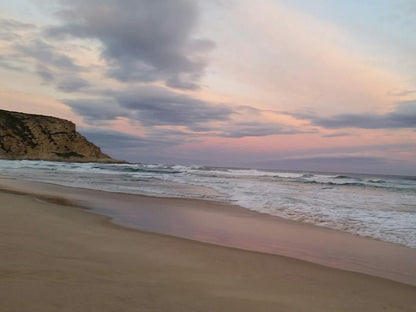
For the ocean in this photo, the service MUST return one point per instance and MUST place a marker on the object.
(377, 206)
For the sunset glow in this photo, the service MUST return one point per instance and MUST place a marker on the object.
(224, 83)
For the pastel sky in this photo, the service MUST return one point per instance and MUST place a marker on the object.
(325, 85)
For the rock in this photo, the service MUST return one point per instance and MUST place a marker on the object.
(37, 137)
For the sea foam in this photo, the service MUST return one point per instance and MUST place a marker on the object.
(381, 207)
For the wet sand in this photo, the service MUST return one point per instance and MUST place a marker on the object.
(57, 257)
(60, 258)
(232, 226)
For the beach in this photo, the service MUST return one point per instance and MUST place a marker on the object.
(58, 256)
(207, 156)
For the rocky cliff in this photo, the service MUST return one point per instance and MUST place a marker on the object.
(37, 137)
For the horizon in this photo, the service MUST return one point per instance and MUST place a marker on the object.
(309, 87)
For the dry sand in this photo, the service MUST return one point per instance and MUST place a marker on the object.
(56, 257)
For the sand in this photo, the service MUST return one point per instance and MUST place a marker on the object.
(56, 257)
(233, 226)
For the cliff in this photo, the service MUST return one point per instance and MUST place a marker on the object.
(37, 137)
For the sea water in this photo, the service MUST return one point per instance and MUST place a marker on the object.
(381, 207)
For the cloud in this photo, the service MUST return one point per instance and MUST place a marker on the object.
(45, 53)
(95, 111)
(71, 84)
(159, 106)
(155, 106)
(7, 63)
(46, 60)
(404, 116)
(136, 148)
(110, 139)
(31, 53)
(152, 106)
(9, 28)
(336, 134)
(401, 92)
(45, 73)
(255, 129)
(8, 24)
(142, 40)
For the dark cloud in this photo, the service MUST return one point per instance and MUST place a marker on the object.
(32, 54)
(133, 147)
(8, 36)
(72, 84)
(336, 134)
(95, 111)
(159, 106)
(152, 106)
(250, 110)
(143, 40)
(109, 139)
(10, 64)
(9, 28)
(45, 53)
(45, 73)
(254, 129)
(156, 106)
(11, 31)
(53, 66)
(404, 116)
(8, 24)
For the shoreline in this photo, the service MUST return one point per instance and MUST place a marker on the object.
(251, 231)
(364, 205)
(63, 258)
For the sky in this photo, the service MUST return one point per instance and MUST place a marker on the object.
(323, 85)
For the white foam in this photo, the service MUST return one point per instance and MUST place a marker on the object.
(379, 207)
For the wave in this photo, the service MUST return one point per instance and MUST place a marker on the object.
(331, 185)
(349, 184)
(377, 181)
(308, 175)
(356, 203)
(408, 178)
(159, 171)
(203, 174)
(135, 169)
(336, 184)
(343, 177)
